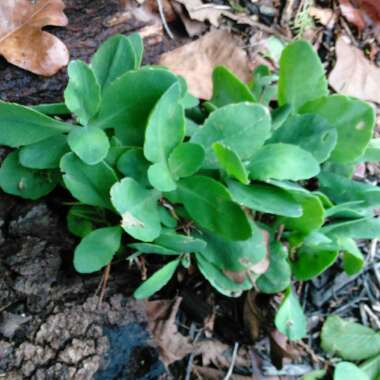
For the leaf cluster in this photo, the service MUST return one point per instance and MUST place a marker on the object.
(155, 171)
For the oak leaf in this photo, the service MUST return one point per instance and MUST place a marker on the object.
(22, 40)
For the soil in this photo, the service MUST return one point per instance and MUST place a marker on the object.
(51, 323)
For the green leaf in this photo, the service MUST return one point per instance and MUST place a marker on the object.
(138, 48)
(315, 375)
(179, 242)
(166, 126)
(230, 162)
(244, 134)
(82, 94)
(138, 209)
(310, 132)
(159, 279)
(228, 88)
(263, 85)
(90, 144)
(115, 151)
(97, 249)
(354, 123)
(79, 221)
(283, 161)
(235, 256)
(353, 260)
(290, 318)
(349, 340)
(302, 76)
(186, 159)
(133, 164)
(23, 182)
(277, 277)
(128, 100)
(312, 213)
(372, 368)
(349, 371)
(113, 58)
(166, 217)
(365, 228)
(209, 204)
(265, 198)
(160, 177)
(44, 154)
(90, 184)
(149, 248)
(21, 125)
(372, 152)
(219, 280)
(343, 190)
(51, 109)
(314, 257)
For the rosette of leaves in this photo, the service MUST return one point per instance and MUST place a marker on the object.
(154, 171)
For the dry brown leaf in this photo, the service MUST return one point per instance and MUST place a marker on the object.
(353, 74)
(193, 27)
(22, 40)
(281, 348)
(361, 13)
(199, 11)
(324, 15)
(172, 344)
(196, 61)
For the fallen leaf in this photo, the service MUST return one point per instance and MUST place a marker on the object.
(199, 11)
(22, 40)
(193, 27)
(361, 13)
(281, 348)
(215, 374)
(324, 15)
(196, 61)
(353, 74)
(172, 344)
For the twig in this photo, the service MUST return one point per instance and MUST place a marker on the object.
(163, 19)
(191, 358)
(106, 277)
(231, 369)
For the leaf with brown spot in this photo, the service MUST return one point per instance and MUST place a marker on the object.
(22, 40)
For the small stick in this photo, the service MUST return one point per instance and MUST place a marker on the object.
(191, 358)
(106, 277)
(163, 19)
(231, 369)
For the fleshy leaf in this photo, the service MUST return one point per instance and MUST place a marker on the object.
(228, 88)
(283, 162)
(133, 164)
(138, 209)
(310, 132)
(157, 281)
(21, 125)
(90, 184)
(302, 76)
(209, 203)
(186, 159)
(44, 154)
(219, 280)
(97, 249)
(265, 198)
(353, 260)
(349, 371)
(127, 101)
(290, 318)
(230, 162)
(244, 134)
(82, 94)
(113, 58)
(277, 277)
(90, 144)
(25, 183)
(349, 340)
(354, 123)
